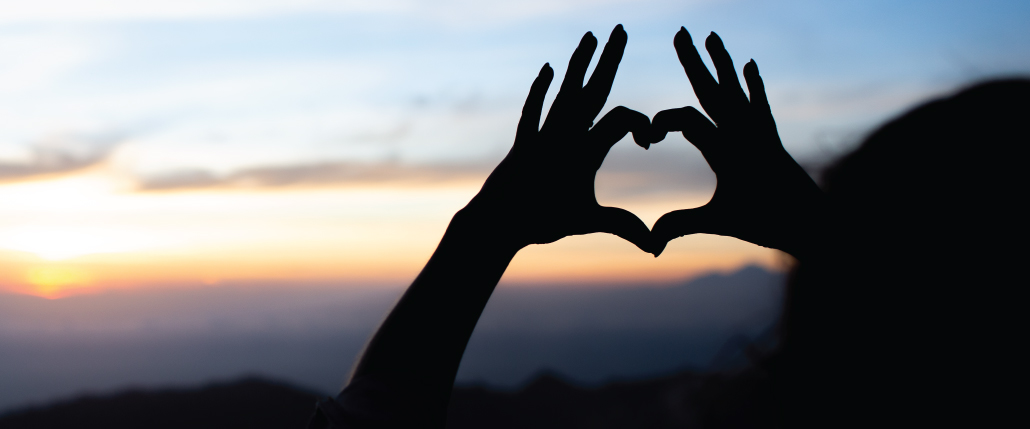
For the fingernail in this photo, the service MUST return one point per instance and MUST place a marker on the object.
(714, 41)
(618, 34)
(751, 70)
(683, 33)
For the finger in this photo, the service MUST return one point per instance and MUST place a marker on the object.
(696, 127)
(529, 124)
(616, 124)
(729, 85)
(626, 225)
(578, 63)
(571, 88)
(678, 223)
(595, 93)
(701, 79)
(759, 101)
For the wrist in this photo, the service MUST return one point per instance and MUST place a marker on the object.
(476, 230)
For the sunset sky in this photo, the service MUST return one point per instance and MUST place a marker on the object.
(156, 143)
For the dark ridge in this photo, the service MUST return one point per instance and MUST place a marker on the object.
(688, 399)
(249, 403)
(681, 400)
(550, 402)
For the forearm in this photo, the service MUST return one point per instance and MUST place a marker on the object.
(542, 191)
(427, 330)
(417, 349)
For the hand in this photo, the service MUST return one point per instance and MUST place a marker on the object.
(543, 190)
(762, 195)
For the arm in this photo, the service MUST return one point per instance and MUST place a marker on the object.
(542, 191)
(762, 195)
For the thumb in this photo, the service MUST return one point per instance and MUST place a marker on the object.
(695, 126)
(621, 120)
(678, 223)
(624, 224)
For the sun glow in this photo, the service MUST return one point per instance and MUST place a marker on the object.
(71, 217)
(86, 233)
(57, 243)
(53, 281)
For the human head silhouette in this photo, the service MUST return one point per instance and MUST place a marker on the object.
(905, 315)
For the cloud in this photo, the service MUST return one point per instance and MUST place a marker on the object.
(627, 172)
(49, 159)
(391, 136)
(317, 174)
(671, 166)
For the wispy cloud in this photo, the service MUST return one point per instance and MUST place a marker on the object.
(58, 157)
(628, 172)
(671, 166)
(316, 174)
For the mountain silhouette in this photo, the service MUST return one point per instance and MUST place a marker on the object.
(549, 401)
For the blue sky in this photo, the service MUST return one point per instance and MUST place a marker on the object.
(235, 86)
(350, 132)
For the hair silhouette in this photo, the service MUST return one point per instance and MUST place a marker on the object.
(908, 312)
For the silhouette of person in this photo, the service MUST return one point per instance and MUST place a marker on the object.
(542, 191)
(902, 309)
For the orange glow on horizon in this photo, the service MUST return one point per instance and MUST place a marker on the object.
(87, 233)
(55, 282)
(595, 260)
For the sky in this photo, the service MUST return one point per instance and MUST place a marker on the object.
(157, 143)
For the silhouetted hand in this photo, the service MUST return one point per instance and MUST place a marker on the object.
(762, 195)
(543, 190)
